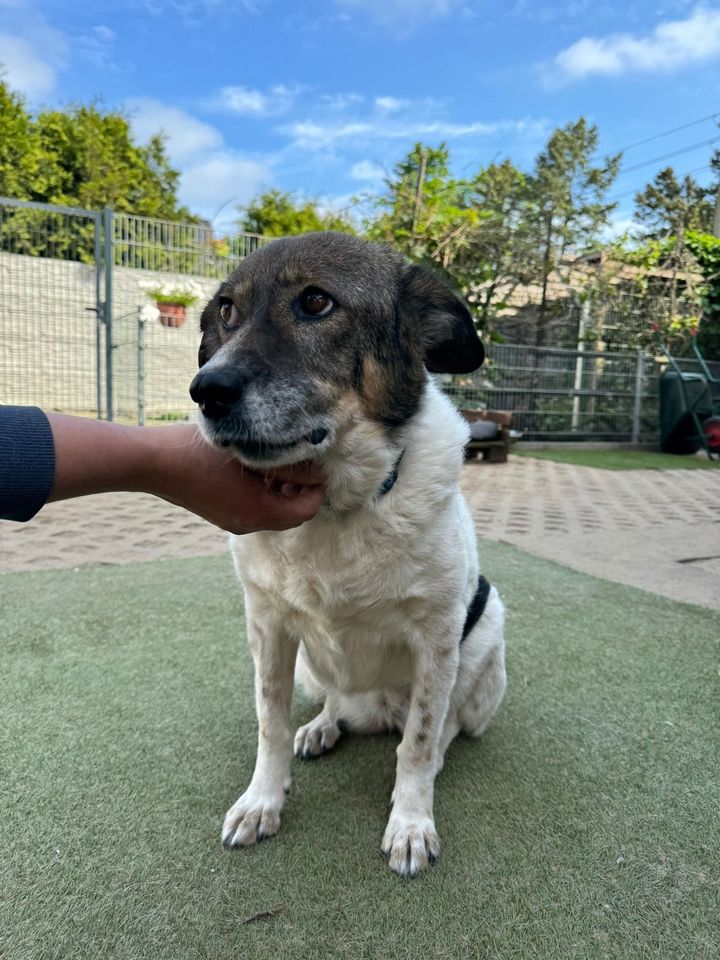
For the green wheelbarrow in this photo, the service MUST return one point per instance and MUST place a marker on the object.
(689, 408)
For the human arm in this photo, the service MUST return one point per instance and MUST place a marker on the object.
(93, 456)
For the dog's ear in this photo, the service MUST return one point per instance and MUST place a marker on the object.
(202, 352)
(207, 328)
(449, 340)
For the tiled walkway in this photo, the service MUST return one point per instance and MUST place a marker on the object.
(659, 530)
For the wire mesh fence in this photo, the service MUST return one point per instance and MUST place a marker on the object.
(181, 248)
(51, 290)
(566, 395)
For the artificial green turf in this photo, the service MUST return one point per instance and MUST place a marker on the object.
(584, 823)
(623, 459)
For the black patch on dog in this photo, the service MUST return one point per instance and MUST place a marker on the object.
(391, 479)
(477, 606)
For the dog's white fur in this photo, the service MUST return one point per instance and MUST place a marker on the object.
(372, 594)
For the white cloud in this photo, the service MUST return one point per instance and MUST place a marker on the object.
(95, 46)
(186, 135)
(25, 69)
(103, 33)
(390, 104)
(315, 136)
(340, 101)
(367, 170)
(671, 45)
(214, 178)
(318, 135)
(215, 185)
(276, 100)
(33, 53)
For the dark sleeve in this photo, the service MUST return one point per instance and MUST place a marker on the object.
(27, 462)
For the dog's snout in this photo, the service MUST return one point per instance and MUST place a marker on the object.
(216, 391)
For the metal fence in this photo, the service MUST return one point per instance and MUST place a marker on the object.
(185, 248)
(70, 294)
(570, 395)
(566, 395)
(53, 290)
(75, 337)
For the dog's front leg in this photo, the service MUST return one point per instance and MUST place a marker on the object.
(257, 813)
(411, 842)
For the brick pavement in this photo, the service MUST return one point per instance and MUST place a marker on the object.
(659, 530)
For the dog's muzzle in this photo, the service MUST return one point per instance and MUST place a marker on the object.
(219, 393)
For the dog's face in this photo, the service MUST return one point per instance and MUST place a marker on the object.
(312, 331)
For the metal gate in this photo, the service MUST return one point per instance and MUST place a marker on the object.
(56, 307)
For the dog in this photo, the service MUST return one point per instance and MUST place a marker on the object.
(320, 348)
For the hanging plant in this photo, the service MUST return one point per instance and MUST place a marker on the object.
(172, 299)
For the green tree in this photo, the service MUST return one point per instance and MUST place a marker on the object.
(20, 159)
(706, 250)
(567, 208)
(84, 156)
(92, 161)
(501, 229)
(495, 262)
(425, 212)
(669, 206)
(279, 214)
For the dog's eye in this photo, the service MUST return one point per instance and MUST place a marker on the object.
(229, 314)
(315, 302)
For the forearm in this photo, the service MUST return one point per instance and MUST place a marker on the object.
(175, 463)
(94, 456)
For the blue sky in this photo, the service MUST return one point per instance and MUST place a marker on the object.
(324, 96)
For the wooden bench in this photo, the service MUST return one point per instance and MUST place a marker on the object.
(495, 450)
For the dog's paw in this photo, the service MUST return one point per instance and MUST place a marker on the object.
(316, 737)
(251, 818)
(410, 844)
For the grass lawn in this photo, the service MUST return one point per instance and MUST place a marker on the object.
(583, 825)
(623, 459)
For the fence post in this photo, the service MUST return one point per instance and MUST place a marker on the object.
(141, 367)
(97, 217)
(107, 216)
(637, 406)
(579, 365)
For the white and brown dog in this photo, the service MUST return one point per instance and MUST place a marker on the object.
(318, 348)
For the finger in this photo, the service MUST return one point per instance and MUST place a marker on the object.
(301, 507)
(306, 473)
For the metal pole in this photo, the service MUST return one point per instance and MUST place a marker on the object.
(107, 310)
(579, 364)
(98, 314)
(141, 368)
(637, 407)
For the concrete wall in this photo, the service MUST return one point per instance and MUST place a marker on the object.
(48, 340)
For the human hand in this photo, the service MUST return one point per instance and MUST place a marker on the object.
(214, 485)
(177, 464)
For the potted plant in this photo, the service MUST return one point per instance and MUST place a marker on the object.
(172, 297)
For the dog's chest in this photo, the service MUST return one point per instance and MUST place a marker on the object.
(354, 601)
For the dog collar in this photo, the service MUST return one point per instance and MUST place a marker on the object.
(389, 481)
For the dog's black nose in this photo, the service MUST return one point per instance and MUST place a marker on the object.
(216, 391)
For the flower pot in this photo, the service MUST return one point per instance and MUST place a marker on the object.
(172, 314)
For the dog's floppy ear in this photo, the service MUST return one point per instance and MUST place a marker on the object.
(449, 339)
(205, 350)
